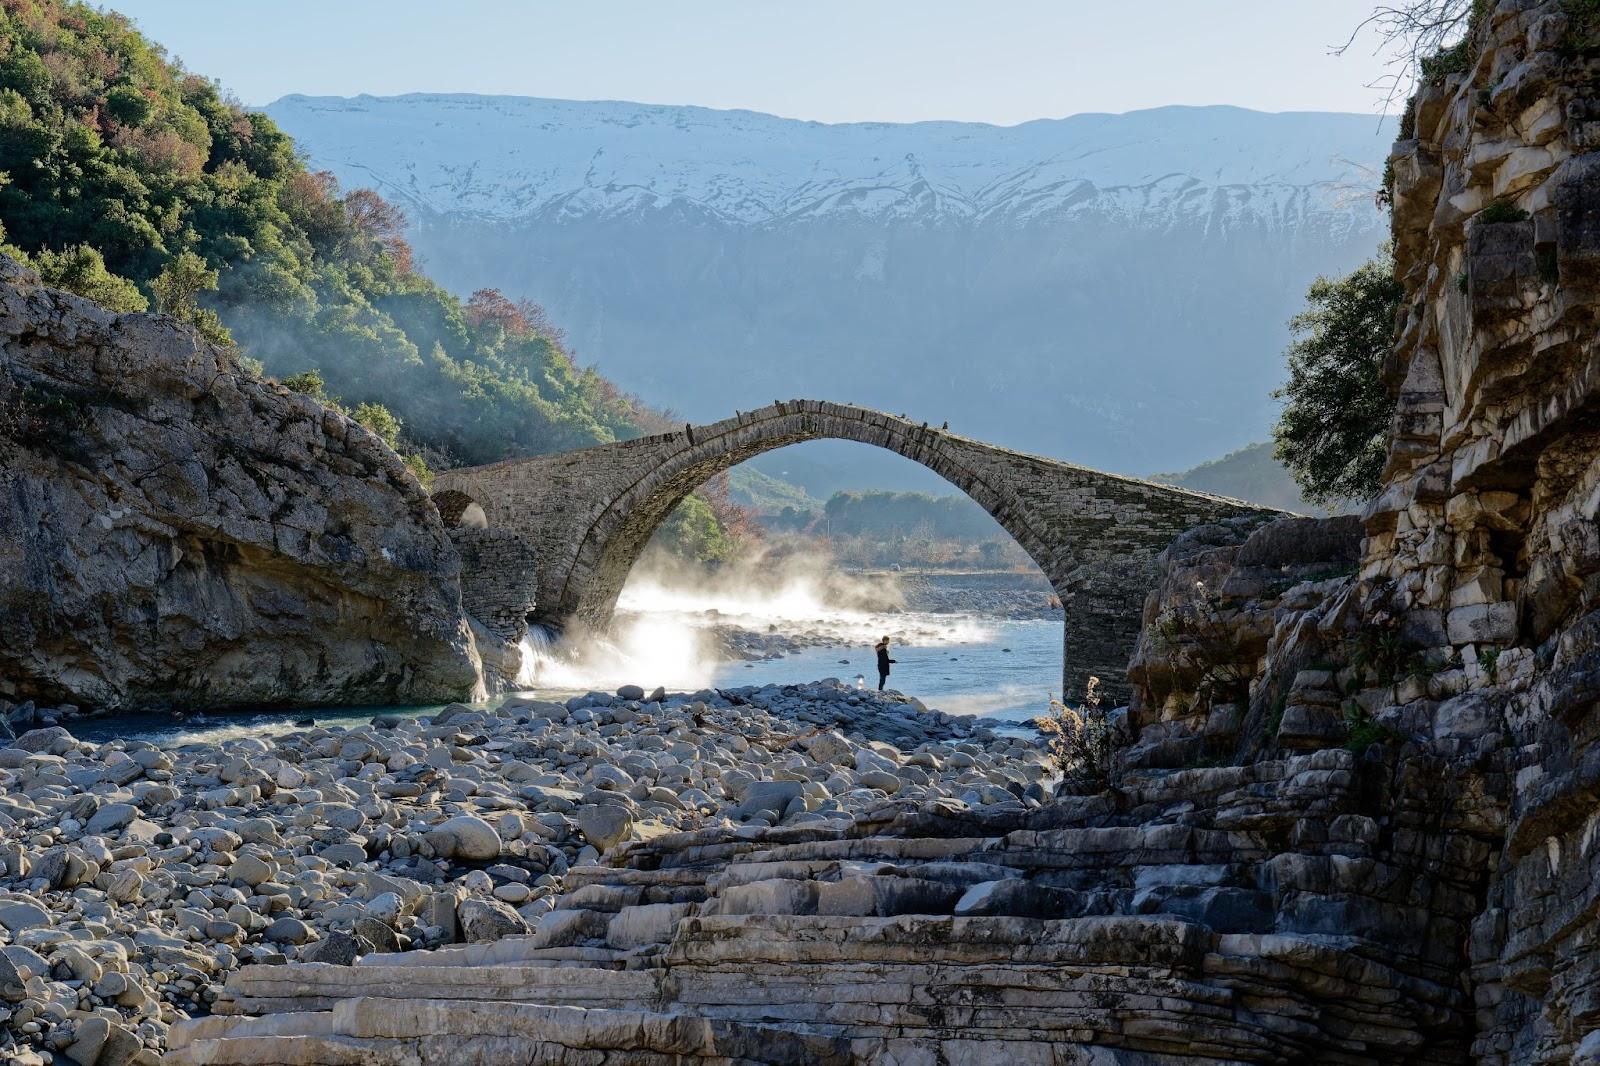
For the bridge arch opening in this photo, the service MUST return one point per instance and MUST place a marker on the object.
(617, 539)
(460, 511)
(589, 514)
(974, 623)
(851, 526)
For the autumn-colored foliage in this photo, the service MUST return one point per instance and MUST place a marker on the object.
(135, 182)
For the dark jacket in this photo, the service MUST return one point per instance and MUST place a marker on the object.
(883, 659)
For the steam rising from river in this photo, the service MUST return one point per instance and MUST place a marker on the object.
(665, 631)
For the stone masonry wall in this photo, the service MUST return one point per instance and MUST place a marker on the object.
(499, 579)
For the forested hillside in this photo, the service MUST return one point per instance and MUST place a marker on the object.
(1252, 473)
(129, 180)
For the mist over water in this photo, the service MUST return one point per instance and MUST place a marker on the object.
(640, 650)
(671, 629)
(672, 621)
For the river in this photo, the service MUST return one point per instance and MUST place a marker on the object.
(961, 663)
(1003, 668)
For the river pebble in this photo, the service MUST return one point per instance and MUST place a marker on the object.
(134, 879)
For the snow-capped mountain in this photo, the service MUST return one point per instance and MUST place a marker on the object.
(1109, 288)
(516, 158)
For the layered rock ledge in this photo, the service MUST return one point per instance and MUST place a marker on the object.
(135, 880)
(1175, 923)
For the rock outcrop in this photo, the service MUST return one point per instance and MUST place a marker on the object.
(1230, 609)
(175, 533)
(1461, 655)
(1483, 552)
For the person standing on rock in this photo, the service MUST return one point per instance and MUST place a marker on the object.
(882, 648)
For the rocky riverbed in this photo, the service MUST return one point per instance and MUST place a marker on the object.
(990, 594)
(736, 642)
(134, 879)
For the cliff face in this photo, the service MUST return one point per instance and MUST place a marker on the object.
(1460, 657)
(1485, 542)
(173, 533)
(1485, 534)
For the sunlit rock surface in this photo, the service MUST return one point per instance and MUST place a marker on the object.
(174, 533)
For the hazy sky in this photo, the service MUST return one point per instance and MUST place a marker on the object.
(1000, 61)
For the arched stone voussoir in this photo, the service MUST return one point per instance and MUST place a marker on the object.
(590, 513)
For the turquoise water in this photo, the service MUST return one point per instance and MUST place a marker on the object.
(1003, 669)
(1009, 673)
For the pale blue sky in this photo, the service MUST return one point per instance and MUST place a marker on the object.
(1002, 61)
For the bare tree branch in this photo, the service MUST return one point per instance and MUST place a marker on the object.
(1413, 33)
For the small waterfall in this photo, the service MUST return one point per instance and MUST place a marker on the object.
(642, 650)
(538, 653)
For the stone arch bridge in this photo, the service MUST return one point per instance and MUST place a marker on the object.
(588, 514)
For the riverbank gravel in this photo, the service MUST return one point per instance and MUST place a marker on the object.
(134, 878)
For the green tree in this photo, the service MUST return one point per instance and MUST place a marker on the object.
(177, 291)
(692, 531)
(1332, 433)
(380, 420)
(308, 382)
(82, 270)
(129, 106)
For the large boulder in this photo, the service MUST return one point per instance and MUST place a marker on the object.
(488, 919)
(604, 825)
(13, 987)
(338, 949)
(176, 532)
(465, 837)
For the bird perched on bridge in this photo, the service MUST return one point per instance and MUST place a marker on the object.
(946, 425)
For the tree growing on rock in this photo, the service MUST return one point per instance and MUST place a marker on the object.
(82, 270)
(177, 291)
(1336, 409)
(1079, 742)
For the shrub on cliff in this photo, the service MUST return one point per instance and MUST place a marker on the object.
(1333, 431)
(82, 270)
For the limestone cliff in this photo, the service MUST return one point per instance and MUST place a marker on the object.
(176, 533)
(1459, 660)
(1485, 543)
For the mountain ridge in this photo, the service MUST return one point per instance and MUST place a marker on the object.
(953, 164)
(1109, 289)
